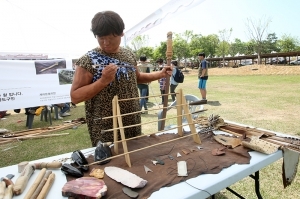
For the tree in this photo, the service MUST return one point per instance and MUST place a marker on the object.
(195, 47)
(209, 44)
(146, 51)
(270, 44)
(180, 48)
(250, 47)
(160, 51)
(257, 30)
(237, 47)
(288, 43)
(223, 48)
(139, 42)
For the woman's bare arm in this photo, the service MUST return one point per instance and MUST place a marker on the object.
(84, 89)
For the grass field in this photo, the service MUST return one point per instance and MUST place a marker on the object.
(259, 96)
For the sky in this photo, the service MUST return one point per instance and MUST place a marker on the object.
(63, 26)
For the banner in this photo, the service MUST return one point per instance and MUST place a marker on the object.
(30, 83)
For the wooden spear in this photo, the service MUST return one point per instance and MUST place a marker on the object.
(169, 55)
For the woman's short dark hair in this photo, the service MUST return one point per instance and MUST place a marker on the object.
(106, 23)
(143, 58)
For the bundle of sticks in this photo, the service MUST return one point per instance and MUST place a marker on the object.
(242, 131)
(36, 133)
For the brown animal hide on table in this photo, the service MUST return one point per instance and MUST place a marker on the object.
(198, 162)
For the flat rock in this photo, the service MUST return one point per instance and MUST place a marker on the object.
(130, 193)
(125, 177)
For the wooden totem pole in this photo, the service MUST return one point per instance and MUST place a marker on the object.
(169, 55)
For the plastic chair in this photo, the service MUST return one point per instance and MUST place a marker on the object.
(192, 108)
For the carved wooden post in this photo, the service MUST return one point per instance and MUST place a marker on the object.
(169, 55)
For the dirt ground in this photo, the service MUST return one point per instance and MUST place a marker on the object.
(253, 70)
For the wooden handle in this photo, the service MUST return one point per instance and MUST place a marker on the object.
(41, 185)
(22, 180)
(8, 181)
(21, 166)
(35, 184)
(2, 189)
(47, 187)
(48, 165)
(8, 192)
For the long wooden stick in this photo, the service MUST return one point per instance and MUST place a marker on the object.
(124, 127)
(150, 96)
(47, 187)
(41, 185)
(247, 128)
(152, 109)
(35, 184)
(231, 132)
(140, 149)
(8, 140)
(169, 55)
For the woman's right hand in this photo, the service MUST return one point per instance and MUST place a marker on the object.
(109, 73)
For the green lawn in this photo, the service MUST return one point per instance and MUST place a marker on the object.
(266, 101)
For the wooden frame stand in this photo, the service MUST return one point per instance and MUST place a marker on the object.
(182, 110)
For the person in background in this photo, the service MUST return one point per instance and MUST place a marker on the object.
(173, 83)
(117, 74)
(64, 109)
(202, 75)
(162, 87)
(147, 71)
(162, 81)
(143, 87)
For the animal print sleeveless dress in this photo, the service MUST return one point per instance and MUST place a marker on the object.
(125, 86)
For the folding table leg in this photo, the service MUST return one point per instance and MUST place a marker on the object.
(257, 188)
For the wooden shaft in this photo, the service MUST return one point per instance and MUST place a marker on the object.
(115, 123)
(41, 185)
(169, 54)
(231, 132)
(22, 180)
(140, 136)
(35, 184)
(115, 156)
(150, 96)
(247, 128)
(124, 127)
(47, 187)
(48, 165)
(152, 109)
(8, 194)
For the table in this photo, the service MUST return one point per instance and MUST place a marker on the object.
(202, 186)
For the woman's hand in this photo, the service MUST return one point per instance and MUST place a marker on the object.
(109, 73)
(167, 71)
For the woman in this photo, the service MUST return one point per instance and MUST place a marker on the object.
(106, 71)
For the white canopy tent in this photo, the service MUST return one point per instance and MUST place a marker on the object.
(44, 26)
